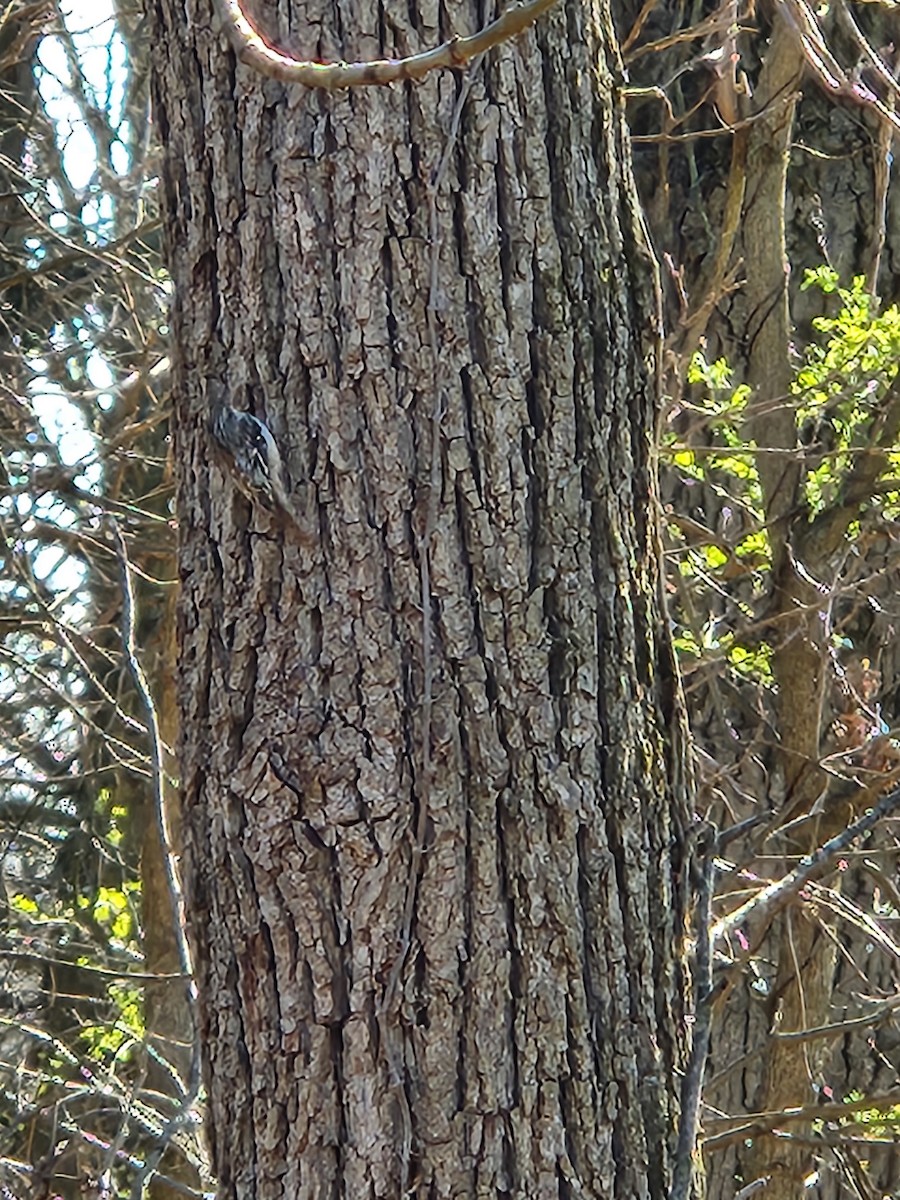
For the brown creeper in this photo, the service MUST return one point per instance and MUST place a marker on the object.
(253, 455)
(256, 464)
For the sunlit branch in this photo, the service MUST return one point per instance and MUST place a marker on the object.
(254, 51)
(825, 67)
(876, 63)
(142, 686)
(760, 910)
(738, 1128)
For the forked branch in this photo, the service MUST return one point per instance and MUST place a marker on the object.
(254, 51)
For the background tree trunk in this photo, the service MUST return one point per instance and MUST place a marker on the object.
(432, 767)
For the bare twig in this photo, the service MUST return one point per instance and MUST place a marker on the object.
(692, 1084)
(637, 28)
(765, 904)
(875, 61)
(735, 1129)
(825, 68)
(838, 1028)
(142, 686)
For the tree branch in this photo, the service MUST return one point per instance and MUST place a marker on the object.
(253, 51)
(735, 1129)
(755, 916)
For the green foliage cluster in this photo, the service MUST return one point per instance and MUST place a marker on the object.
(840, 380)
(722, 459)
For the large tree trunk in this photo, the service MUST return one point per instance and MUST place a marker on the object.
(432, 766)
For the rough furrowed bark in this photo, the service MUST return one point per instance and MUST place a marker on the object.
(433, 765)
